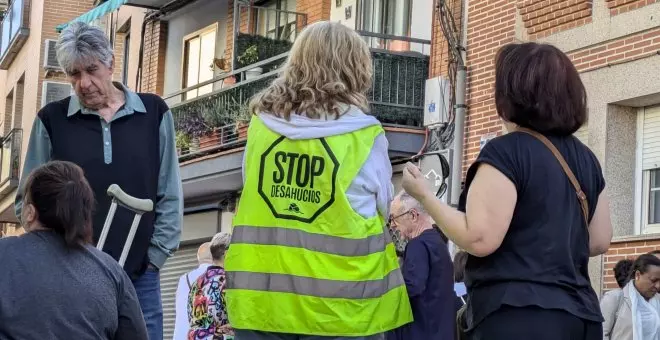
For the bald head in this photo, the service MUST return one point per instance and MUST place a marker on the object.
(204, 253)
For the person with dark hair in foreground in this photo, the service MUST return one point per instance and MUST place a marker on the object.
(56, 285)
(633, 312)
(528, 230)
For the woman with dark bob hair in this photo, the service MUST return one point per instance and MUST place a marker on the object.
(529, 230)
(54, 283)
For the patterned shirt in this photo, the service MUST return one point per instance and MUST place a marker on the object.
(207, 310)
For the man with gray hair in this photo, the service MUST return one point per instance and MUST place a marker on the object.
(118, 137)
(428, 272)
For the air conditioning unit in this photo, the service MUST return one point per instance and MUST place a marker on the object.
(437, 101)
(53, 91)
(50, 56)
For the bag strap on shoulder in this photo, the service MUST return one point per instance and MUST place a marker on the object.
(582, 197)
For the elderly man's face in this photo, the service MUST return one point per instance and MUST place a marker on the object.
(402, 219)
(92, 82)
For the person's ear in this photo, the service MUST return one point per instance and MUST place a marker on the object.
(30, 214)
(638, 275)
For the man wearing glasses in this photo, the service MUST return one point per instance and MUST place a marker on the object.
(427, 271)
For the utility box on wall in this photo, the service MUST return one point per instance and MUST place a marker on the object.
(437, 101)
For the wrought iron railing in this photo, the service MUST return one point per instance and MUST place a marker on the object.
(396, 97)
(10, 156)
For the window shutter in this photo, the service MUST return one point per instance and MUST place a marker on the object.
(651, 138)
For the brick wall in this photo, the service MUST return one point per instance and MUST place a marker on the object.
(545, 17)
(57, 12)
(439, 52)
(622, 6)
(633, 47)
(620, 250)
(491, 24)
(230, 35)
(316, 10)
(9, 109)
(153, 57)
(18, 105)
(120, 41)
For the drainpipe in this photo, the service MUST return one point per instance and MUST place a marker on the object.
(460, 110)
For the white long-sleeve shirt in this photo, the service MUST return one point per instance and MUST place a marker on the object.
(181, 324)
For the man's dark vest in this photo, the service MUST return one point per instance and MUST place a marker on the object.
(135, 166)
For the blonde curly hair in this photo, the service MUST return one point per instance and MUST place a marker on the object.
(329, 65)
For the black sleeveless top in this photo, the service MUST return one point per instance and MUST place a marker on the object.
(544, 257)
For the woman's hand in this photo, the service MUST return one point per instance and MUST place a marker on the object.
(414, 182)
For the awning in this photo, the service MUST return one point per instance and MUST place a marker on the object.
(95, 13)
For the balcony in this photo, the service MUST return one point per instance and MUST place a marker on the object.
(14, 31)
(10, 163)
(217, 120)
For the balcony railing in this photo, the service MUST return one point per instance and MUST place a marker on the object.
(10, 154)
(14, 30)
(204, 124)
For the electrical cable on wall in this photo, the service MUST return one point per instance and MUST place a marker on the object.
(441, 137)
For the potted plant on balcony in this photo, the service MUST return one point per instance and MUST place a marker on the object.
(243, 121)
(192, 125)
(215, 116)
(249, 57)
(182, 143)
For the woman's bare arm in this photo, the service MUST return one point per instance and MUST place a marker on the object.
(490, 203)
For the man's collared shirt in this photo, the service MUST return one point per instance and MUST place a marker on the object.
(168, 212)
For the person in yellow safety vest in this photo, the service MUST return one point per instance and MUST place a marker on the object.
(310, 256)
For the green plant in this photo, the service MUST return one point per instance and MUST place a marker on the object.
(265, 48)
(182, 140)
(250, 56)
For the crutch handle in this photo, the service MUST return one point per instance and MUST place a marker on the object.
(130, 202)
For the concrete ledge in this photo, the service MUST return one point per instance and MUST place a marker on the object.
(635, 238)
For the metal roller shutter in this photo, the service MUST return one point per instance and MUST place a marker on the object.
(651, 139)
(183, 261)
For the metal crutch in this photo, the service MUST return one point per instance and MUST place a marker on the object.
(138, 206)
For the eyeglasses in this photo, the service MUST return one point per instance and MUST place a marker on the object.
(393, 219)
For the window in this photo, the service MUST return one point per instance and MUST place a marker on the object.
(651, 208)
(648, 159)
(199, 53)
(388, 17)
(127, 55)
(278, 20)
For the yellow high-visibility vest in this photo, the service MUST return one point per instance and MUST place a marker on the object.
(301, 260)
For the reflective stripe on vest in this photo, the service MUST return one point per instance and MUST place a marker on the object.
(301, 260)
(316, 242)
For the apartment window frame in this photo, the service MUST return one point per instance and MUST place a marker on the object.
(386, 6)
(278, 5)
(210, 29)
(646, 220)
